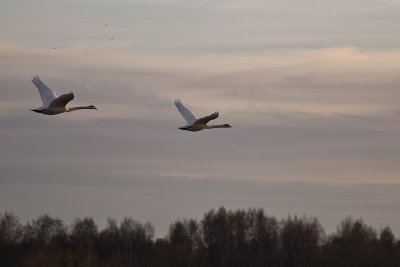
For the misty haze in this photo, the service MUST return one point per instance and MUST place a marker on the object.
(308, 92)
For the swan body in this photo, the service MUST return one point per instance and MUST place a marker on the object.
(195, 124)
(52, 104)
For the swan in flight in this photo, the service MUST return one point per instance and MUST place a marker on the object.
(52, 104)
(195, 124)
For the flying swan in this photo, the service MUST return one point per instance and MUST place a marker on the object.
(52, 104)
(195, 124)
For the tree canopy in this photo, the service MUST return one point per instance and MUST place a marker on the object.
(222, 238)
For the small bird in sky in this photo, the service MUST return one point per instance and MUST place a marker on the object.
(52, 104)
(194, 124)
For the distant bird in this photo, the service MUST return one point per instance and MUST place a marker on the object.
(112, 38)
(52, 104)
(195, 124)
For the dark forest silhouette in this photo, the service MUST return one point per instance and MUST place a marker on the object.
(220, 239)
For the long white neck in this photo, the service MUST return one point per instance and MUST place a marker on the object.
(219, 126)
(77, 108)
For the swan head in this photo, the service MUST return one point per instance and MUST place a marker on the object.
(92, 107)
(227, 125)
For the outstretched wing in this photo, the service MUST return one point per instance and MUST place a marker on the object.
(46, 94)
(62, 100)
(187, 114)
(206, 119)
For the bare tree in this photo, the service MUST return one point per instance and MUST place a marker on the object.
(84, 235)
(11, 233)
(300, 239)
(44, 231)
(10, 228)
(386, 239)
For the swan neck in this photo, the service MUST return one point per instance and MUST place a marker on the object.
(77, 108)
(219, 126)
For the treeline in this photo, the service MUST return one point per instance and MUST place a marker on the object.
(221, 239)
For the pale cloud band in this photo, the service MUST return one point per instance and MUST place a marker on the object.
(331, 81)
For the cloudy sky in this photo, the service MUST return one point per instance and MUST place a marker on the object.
(311, 88)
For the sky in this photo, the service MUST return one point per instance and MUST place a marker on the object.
(311, 89)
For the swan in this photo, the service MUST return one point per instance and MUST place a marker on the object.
(52, 104)
(195, 124)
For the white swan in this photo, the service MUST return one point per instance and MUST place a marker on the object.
(52, 104)
(195, 124)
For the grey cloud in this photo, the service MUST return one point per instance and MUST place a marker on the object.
(312, 134)
(322, 149)
(177, 26)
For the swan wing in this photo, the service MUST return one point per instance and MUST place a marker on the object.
(62, 100)
(46, 94)
(206, 119)
(187, 114)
